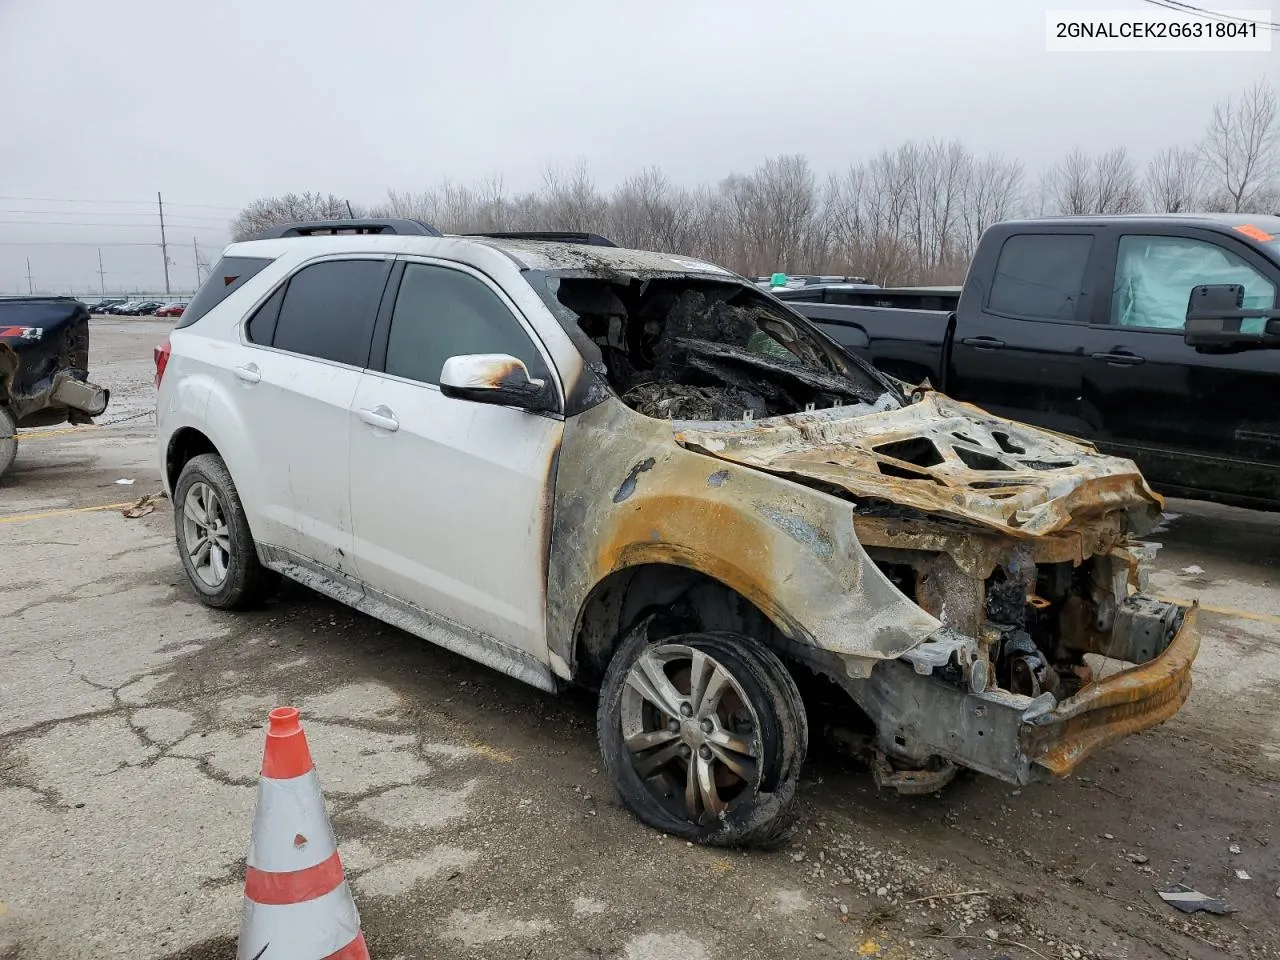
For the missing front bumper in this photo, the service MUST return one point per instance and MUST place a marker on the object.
(920, 718)
(1109, 710)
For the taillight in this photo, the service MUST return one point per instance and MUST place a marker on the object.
(162, 360)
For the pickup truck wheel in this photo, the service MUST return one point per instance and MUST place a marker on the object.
(704, 735)
(8, 439)
(214, 542)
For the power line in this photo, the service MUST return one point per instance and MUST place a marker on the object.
(149, 226)
(135, 203)
(1179, 7)
(113, 213)
(73, 243)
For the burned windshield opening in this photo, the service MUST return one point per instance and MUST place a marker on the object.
(690, 348)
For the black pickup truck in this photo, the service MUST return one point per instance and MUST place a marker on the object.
(44, 368)
(1152, 337)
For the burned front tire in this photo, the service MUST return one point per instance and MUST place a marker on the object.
(8, 439)
(704, 735)
(214, 542)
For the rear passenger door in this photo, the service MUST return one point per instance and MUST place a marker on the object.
(1017, 349)
(294, 376)
(451, 498)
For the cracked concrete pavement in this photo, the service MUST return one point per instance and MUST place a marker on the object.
(472, 814)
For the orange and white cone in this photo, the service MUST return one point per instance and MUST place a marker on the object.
(297, 905)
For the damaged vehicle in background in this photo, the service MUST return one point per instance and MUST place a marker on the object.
(44, 368)
(638, 473)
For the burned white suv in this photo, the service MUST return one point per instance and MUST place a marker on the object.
(638, 472)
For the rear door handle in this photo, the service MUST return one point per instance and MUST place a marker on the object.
(983, 343)
(380, 417)
(249, 373)
(1119, 359)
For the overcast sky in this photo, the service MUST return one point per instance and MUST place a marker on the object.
(215, 102)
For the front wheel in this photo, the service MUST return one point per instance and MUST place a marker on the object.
(704, 735)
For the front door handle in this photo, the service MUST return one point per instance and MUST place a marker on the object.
(249, 373)
(1119, 359)
(983, 343)
(380, 417)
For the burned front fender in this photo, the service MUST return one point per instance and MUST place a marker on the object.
(627, 494)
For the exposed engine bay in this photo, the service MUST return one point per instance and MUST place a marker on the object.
(695, 349)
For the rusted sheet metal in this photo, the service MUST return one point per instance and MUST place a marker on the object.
(1110, 710)
(628, 494)
(942, 457)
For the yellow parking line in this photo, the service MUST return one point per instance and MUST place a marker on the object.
(1226, 611)
(37, 434)
(22, 517)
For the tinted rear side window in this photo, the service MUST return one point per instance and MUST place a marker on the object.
(1040, 276)
(328, 310)
(227, 276)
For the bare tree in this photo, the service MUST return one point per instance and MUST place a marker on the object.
(1081, 184)
(775, 216)
(1174, 181)
(994, 192)
(1116, 188)
(570, 200)
(1241, 149)
(290, 208)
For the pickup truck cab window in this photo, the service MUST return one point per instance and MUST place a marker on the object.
(1155, 275)
(1040, 276)
(441, 313)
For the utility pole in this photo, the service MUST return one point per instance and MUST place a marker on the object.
(29, 290)
(195, 250)
(102, 276)
(164, 246)
(350, 215)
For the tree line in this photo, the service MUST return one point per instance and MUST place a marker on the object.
(908, 215)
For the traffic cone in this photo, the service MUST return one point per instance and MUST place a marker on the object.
(297, 905)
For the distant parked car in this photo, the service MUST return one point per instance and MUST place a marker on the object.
(171, 310)
(116, 309)
(101, 306)
(143, 308)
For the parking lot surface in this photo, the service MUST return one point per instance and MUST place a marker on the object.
(472, 813)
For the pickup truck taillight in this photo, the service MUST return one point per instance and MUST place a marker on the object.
(162, 360)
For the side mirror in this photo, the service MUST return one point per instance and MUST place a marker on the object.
(495, 378)
(1215, 312)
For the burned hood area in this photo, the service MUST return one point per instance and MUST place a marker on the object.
(692, 348)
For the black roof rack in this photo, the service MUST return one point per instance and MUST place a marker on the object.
(400, 227)
(555, 236)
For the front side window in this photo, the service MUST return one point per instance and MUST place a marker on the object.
(1155, 277)
(442, 313)
(1040, 276)
(328, 311)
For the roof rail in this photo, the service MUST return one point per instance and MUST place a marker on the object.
(554, 236)
(401, 227)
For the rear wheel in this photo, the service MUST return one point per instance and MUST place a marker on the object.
(214, 542)
(704, 735)
(8, 439)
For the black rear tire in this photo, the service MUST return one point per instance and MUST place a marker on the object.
(245, 582)
(660, 777)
